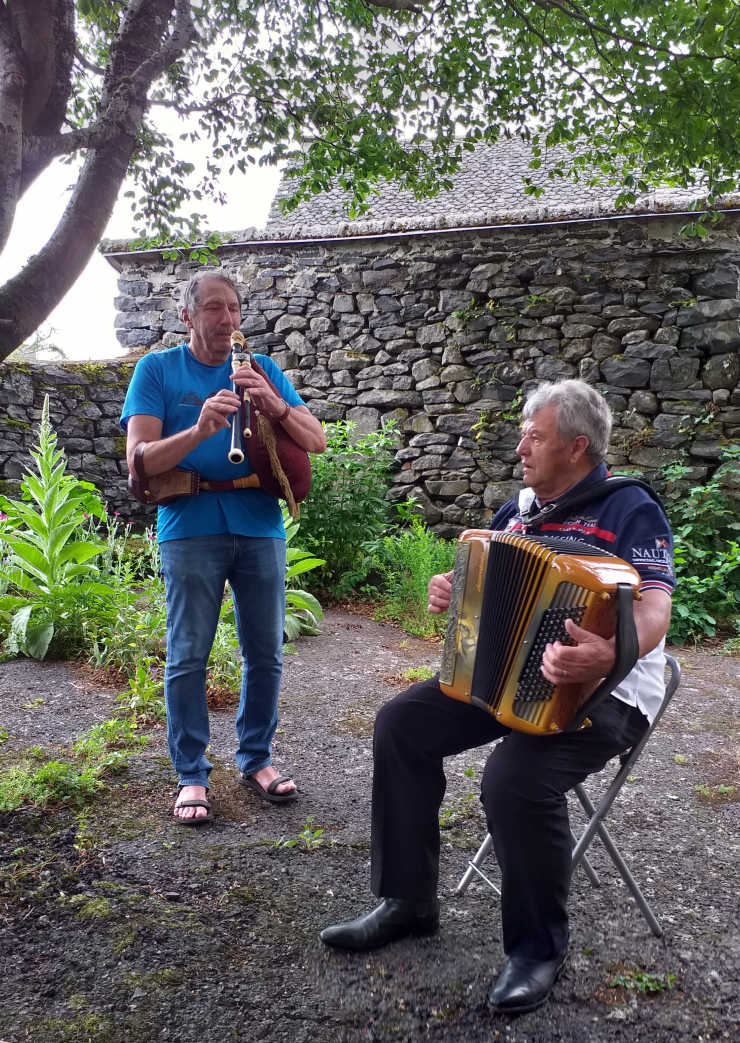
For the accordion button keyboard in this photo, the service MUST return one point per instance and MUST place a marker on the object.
(533, 685)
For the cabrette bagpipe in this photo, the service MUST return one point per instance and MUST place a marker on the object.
(511, 595)
(279, 465)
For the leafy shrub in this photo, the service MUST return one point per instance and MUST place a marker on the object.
(706, 526)
(407, 561)
(347, 505)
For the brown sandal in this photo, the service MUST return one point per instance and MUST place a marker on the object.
(249, 782)
(196, 820)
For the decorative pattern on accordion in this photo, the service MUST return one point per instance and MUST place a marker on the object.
(511, 596)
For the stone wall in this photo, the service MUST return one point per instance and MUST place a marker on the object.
(85, 401)
(445, 333)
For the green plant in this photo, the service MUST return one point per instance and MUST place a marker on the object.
(97, 753)
(302, 609)
(643, 981)
(136, 626)
(145, 695)
(108, 744)
(47, 562)
(347, 505)
(55, 783)
(310, 838)
(408, 560)
(511, 413)
(706, 526)
(418, 673)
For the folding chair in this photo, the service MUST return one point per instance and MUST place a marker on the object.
(596, 818)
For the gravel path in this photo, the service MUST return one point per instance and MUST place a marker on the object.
(117, 925)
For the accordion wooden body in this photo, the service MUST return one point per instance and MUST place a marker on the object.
(511, 595)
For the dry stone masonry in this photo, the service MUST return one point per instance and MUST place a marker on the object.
(445, 333)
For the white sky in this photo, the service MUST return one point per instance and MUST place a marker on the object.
(84, 319)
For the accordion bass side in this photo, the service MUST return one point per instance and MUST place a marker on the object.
(511, 595)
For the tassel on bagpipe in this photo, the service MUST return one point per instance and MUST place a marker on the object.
(241, 424)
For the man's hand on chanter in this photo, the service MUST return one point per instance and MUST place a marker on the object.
(590, 659)
(438, 592)
(216, 413)
(255, 384)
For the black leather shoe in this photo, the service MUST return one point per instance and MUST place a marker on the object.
(525, 984)
(394, 918)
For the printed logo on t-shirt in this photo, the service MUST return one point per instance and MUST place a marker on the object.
(658, 558)
(191, 399)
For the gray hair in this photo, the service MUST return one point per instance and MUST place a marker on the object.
(189, 297)
(581, 410)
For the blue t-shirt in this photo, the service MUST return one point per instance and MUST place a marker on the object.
(627, 523)
(173, 385)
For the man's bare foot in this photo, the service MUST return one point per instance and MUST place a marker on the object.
(267, 775)
(191, 793)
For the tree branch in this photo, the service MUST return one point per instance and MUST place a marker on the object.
(571, 11)
(182, 35)
(95, 69)
(44, 148)
(398, 5)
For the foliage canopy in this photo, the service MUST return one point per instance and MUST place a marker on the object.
(350, 92)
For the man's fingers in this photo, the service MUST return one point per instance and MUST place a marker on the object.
(576, 632)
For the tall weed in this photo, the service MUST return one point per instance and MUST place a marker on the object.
(51, 584)
(407, 561)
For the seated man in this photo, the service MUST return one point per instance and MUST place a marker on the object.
(564, 442)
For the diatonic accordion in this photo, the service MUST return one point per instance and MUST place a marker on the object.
(511, 595)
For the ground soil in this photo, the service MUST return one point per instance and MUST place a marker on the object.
(118, 925)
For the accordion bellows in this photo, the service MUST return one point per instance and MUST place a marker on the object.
(511, 595)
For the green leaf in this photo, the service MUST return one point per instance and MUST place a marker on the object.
(80, 551)
(38, 639)
(303, 600)
(292, 626)
(303, 566)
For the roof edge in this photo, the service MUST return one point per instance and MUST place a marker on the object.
(393, 228)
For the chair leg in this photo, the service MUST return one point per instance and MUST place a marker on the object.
(630, 881)
(596, 826)
(474, 865)
(588, 869)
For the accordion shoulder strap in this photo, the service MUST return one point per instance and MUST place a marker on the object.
(627, 653)
(604, 487)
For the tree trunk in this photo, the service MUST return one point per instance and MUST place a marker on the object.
(12, 84)
(30, 297)
(141, 51)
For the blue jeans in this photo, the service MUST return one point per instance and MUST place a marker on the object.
(195, 572)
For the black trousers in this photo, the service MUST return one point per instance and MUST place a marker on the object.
(523, 795)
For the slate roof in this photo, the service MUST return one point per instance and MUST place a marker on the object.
(488, 190)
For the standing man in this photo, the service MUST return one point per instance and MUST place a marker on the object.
(565, 438)
(180, 404)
